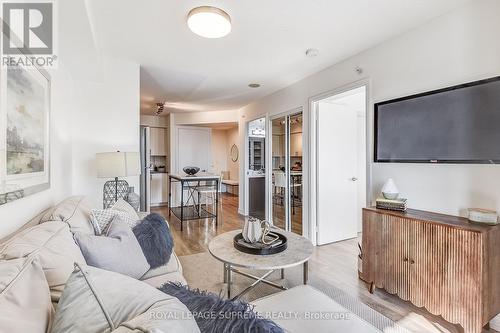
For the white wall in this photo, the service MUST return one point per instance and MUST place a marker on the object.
(219, 151)
(16, 213)
(206, 117)
(458, 47)
(94, 108)
(155, 121)
(232, 138)
(195, 118)
(105, 118)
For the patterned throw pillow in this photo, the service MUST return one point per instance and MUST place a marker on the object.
(101, 218)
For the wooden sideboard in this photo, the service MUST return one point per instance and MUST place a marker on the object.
(443, 263)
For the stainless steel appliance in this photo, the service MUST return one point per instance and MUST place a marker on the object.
(146, 169)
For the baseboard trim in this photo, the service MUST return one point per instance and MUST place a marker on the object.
(163, 204)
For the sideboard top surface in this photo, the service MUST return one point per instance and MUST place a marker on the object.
(447, 220)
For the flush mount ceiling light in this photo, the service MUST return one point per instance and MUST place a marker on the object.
(209, 22)
(254, 85)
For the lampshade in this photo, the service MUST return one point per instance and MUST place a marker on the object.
(118, 164)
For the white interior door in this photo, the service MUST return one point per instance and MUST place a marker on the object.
(337, 171)
(193, 148)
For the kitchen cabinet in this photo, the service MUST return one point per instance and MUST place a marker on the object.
(158, 141)
(159, 188)
(256, 153)
(296, 144)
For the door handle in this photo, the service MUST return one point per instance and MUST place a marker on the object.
(354, 179)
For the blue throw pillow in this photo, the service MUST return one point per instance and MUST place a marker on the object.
(155, 239)
(215, 314)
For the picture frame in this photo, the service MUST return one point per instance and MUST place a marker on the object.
(24, 132)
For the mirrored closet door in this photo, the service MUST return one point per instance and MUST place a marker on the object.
(286, 186)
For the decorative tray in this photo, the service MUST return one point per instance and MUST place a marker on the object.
(260, 248)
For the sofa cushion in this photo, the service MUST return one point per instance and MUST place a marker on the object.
(100, 301)
(118, 251)
(305, 302)
(24, 297)
(155, 239)
(160, 280)
(173, 265)
(52, 242)
(75, 211)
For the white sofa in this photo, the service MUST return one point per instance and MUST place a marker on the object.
(49, 236)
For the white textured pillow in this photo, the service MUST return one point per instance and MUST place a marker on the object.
(99, 301)
(24, 297)
(101, 218)
(125, 207)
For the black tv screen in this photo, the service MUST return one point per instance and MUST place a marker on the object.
(460, 124)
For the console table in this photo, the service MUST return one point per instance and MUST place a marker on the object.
(440, 262)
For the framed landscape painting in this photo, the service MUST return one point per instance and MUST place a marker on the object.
(24, 132)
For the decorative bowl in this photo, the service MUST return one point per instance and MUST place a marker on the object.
(190, 170)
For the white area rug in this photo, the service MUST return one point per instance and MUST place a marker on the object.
(204, 272)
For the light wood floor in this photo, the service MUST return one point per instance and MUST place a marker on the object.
(334, 263)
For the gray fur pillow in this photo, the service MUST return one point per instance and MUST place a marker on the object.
(155, 239)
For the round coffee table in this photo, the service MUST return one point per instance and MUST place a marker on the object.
(299, 250)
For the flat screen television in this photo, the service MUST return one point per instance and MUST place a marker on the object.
(459, 124)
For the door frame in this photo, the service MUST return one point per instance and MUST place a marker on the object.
(313, 127)
(247, 164)
(269, 167)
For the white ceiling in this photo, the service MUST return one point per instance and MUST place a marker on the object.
(267, 44)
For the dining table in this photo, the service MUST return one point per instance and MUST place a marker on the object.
(189, 208)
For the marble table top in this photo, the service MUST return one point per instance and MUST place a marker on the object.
(298, 251)
(198, 176)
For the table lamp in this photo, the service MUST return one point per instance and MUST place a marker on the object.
(115, 165)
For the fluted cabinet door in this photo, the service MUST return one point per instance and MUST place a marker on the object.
(446, 273)
(393, 271)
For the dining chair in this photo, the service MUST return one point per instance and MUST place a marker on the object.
(208, 192)
(280, 183)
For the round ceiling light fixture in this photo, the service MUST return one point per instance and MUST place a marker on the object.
(209, 22)
(254, 85)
